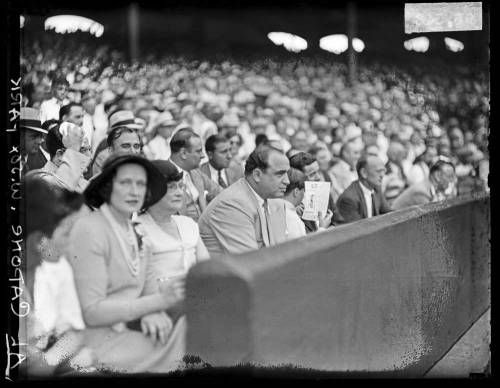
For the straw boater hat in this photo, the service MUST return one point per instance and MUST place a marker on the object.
(123, 118)
(30, 119)
(156, 182)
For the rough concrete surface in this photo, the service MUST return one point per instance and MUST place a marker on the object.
(469, 355)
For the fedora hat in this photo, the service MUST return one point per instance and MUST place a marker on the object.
(156, 181)
(30, 119)
(123, 118)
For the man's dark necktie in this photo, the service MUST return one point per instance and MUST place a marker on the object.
(268, 221)
(374, 207)
(221, 181)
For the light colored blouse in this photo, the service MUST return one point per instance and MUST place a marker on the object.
(169, 256)
(295, 228)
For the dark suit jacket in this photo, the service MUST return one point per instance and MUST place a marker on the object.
(352, 207)
(36, 161)
(233, 172)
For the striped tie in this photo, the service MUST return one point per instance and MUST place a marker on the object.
(221, 181)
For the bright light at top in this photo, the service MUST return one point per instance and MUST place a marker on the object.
(453, 45)
(71, 23)
(358, 45)
(291, 42)
(21, 20)
(338, 43)
(420, 44)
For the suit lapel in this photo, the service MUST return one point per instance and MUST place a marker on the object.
(230, 177)
(277, 221)
(205, 169)
(260, 211)
(198, 183)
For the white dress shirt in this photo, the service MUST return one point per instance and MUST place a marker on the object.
(214, 175)
(158, 148)
(49, 109)
(295, 228)
(88, 127)
(45, 153)
(367, 193)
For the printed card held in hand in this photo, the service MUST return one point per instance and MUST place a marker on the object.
(315, 199)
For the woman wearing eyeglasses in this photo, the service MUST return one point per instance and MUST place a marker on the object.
(175, 239)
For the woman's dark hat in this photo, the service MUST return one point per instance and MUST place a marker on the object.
(156, 182)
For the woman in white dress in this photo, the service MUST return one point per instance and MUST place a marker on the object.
(175, 239)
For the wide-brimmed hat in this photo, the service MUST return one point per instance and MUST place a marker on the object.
(123, 118)
(156, 182)
(30, 119)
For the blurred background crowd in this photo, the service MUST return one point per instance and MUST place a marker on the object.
(307, 104)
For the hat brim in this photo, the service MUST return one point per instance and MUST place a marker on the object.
(156, 181)
(36, 129)
(131, 126)
(166, 124)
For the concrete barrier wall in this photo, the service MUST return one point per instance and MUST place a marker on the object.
(391, 293)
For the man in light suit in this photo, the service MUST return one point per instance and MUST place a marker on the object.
(343, 173)
(186, 153)
(363, 199)
(219, 167)
(441, 178)
(246, 216)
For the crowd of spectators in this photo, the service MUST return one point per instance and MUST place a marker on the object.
(178, 157)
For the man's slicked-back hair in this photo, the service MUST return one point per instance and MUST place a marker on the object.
(362, 162)
(301, 160)
(259, 158)
(115, 133)
(65, 109)
(297, 180)
(181, 139)
(213, 140)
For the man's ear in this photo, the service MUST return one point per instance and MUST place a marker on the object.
(182, 152)
(257, 174)
(362, 173)
(60, 152)
(296, 192)
(210, 155)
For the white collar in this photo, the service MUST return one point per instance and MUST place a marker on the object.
(289, 205)
(366, 190)
(45, 153)
(346, 165)
(433, 190)
(213, 171)
(178, 168)
(260, 200)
